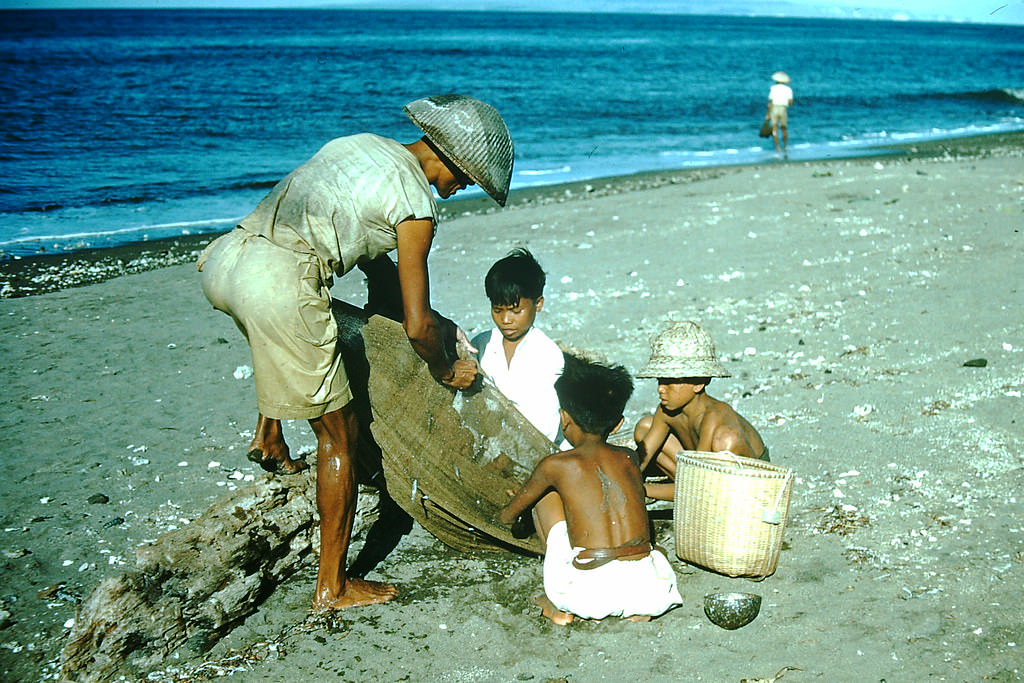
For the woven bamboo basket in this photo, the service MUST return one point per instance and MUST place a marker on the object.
(730, 512)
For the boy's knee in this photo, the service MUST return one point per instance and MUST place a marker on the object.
(642, 427)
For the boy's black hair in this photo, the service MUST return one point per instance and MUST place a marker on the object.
(594, 395)
(517, 276)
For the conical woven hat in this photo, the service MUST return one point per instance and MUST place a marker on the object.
(683, 349)
(473, 135)
(780, 77)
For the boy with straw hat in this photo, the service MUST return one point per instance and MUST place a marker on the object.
(683, 361)
(357, 199)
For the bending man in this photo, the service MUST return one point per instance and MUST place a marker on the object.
(357, 199)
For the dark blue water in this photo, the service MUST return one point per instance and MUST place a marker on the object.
(122, 125)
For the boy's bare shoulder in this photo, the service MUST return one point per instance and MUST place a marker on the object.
(595, 452)
(560, 458)
(673, 421)
(622, 450)
(728, 430)
(612, 453)
(721, 415)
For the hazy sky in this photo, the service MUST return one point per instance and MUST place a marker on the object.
(986, 11)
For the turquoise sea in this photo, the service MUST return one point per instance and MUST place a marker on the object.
(123, 125)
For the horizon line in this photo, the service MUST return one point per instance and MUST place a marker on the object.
(196, 6)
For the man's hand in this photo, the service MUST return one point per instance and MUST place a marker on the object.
(463, 374)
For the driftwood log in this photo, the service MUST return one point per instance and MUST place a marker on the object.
(446, 458)
(193, 585)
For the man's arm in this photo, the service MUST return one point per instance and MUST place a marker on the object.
(426, 331)
(384, 292)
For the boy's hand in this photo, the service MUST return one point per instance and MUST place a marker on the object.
(523, 527)
(505, 517)
(462, 345)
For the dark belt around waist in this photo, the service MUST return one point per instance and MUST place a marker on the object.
(601, 556)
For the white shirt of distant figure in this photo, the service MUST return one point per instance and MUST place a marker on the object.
(528, 379)
(781, 95)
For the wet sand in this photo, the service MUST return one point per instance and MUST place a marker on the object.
(845, 296)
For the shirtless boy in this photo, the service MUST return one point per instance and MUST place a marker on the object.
(688, 418)
(589, 510)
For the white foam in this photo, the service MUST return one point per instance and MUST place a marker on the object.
(182, 226)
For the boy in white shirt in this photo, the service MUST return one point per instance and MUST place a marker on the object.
(519, 358)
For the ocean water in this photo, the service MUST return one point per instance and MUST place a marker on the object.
(124, 125)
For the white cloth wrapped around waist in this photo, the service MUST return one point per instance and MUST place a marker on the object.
(619, 588)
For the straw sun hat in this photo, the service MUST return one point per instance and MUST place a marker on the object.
(683, 349)
(472, 134)
(780, 77)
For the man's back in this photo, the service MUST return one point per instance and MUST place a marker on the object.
(344, 204)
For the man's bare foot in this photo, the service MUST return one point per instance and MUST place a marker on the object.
(358, 592)
(269, 450)
(556, 615)
(283, 464)
(639, 618)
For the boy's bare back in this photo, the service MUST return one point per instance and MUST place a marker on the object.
(602, 493)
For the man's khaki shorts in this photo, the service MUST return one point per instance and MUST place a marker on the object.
(779, 116)
(281, 302)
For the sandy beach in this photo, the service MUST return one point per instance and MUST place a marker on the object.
(869, 311)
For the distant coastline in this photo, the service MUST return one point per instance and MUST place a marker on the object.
(998, 15)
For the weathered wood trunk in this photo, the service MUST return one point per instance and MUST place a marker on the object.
(193, 585)
(447, 459)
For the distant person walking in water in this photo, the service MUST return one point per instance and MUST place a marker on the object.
(354, 201)
(780, 98)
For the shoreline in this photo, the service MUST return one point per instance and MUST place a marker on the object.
(42, 273)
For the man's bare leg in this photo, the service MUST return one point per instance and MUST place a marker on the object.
(269, 450)
(556, 615)
(336, 434)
